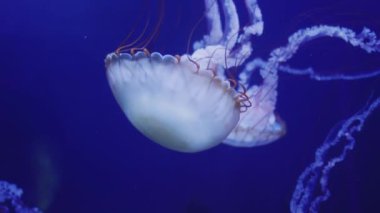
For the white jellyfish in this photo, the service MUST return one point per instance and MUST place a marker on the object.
(190, 103)
(186, 103)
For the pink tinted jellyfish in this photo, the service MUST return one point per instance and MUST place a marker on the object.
(186, 103)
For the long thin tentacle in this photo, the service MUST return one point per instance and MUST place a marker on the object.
(317, 173)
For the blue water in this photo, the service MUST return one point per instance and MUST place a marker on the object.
(64, 140)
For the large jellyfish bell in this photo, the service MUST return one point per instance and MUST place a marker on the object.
(171, 102)
(186, 103)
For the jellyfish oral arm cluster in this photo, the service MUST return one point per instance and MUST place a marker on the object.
(10, 193)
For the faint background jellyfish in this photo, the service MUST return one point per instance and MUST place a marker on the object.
(29, 153)
(10, 199)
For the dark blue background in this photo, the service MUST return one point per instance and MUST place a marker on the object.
(65, 141)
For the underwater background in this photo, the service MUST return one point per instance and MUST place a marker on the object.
(67, 144)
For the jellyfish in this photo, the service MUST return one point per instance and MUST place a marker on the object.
(192, 102)
(188, 103)
(11, 194)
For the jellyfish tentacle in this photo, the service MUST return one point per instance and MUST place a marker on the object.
(249, 68)
(9, 191)
(366, 40)
(332, 77)
(195, 63)
(317, 173)
(259, 63)
(178, 57)
(133, 51)
(265, 95)
(12, 194)
(122, 47)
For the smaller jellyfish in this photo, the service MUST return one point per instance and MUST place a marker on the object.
(10, 199)
(189, 103)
